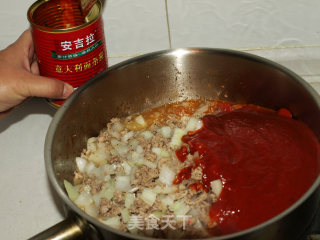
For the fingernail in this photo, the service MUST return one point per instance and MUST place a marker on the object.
(67, 90)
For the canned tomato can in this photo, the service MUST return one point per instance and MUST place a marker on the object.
(68, 46)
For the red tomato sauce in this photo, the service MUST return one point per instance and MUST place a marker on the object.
(265, 160)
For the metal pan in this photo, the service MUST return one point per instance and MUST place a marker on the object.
(168, 76)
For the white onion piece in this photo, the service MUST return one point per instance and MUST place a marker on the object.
(176, 138)
(125, 215)
(216, 187)
(71, 190)
(122, 149)
(91, 210)
(127, 136)
(129, 199)
(91, 144)
(123, 183)
(83, 200)
(166, 175)
(115, 143)
(140, 120)
(165, 131)
(108, 192)
(148, 196)
(139, 149)
(149, 164)
(133, 143)
(99, 157)
(179, 208)
(166, 201)
(113, 222)
(89, 168)
(97, 198)
(137, 158)
(161, 153)
(81, 164)
(127, 168)
(193, 124)
(147, 135)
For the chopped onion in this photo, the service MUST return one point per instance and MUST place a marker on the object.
(137, 158)
(117, 127)
(89, 167)
(166, 201)
(129, 199)
(139, 149)
(133, 143)
(176, 138)
(161, 153)
(123, 183)
(99, 157)
(165, 131)
(149, 164)
(83, 200)
(147, 135)
(81, 164)
(71, 190)
(127, 136)
(91, 210)
(108, 192)
(113, 222)
(216, 187)
(148, 196)
(140, 120)
(122, 149)
(125, 215)
(193, 124)
(97, 198)
(166, 175)
(91, 146)
(179, 208)
(127, 168)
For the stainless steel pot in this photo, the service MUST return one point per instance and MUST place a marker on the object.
(168, 76)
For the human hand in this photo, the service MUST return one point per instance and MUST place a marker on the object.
(19, 76)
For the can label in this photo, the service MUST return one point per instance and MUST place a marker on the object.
(74, 55)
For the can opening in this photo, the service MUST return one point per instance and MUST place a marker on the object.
(61, 14)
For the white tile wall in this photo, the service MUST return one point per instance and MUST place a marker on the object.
(243, 23)
(135, 26)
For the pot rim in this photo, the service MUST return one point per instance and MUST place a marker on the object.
(176, 52)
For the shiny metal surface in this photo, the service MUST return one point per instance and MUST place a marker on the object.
(168, 76)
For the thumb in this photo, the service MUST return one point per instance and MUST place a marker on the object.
(39, 86)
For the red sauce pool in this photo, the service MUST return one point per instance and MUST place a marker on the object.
(266, 162)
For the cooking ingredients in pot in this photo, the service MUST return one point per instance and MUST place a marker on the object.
(195, 168)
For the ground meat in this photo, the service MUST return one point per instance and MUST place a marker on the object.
(194, 198)
(108, 209)
(119, 197)
(144, 175)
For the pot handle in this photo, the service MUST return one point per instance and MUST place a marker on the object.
(71, 228)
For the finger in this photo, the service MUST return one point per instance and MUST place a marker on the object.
(35, 68)
(45, 87)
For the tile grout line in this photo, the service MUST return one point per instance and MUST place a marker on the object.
(168, 23)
